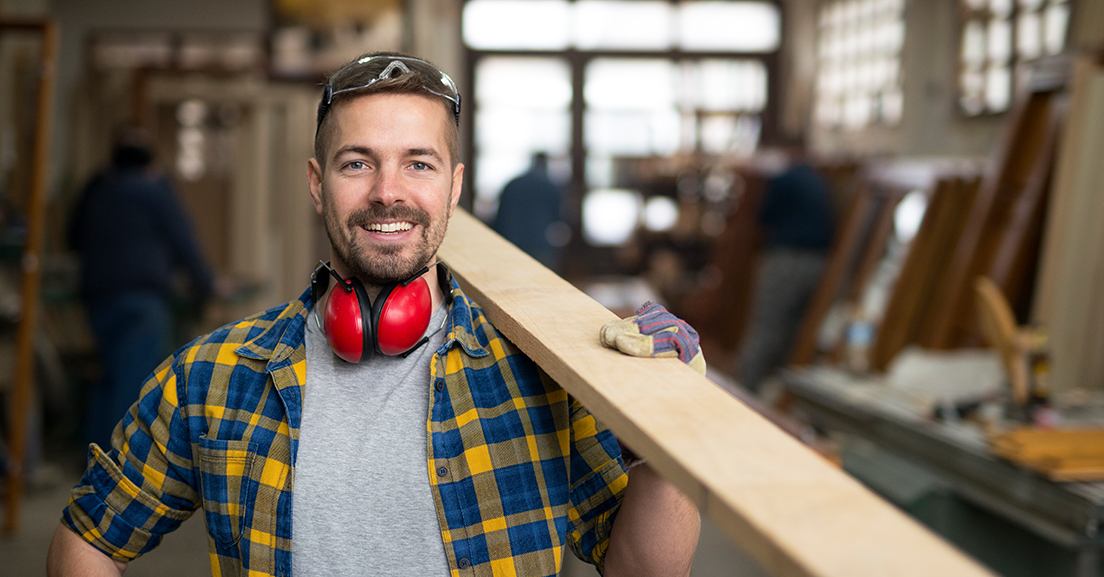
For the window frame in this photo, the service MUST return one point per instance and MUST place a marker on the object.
(1015, 63)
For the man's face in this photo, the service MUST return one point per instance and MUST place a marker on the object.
(388, 189)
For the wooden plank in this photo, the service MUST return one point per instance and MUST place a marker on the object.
(873, 250)
(1068, 300)
(789, 509)
(940, 280)
(914, 289)
(32, 270)
(1061, 455)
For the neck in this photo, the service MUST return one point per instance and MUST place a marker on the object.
(373, 291)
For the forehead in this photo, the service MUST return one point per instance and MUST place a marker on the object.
(389, 119)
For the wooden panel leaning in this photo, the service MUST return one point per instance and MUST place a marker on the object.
(1002, 222)
(789, 509)
(872, 251)
(915, 289)
(1068, 299)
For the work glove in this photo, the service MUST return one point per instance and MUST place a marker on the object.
(654, 332)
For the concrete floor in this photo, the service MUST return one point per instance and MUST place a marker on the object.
(184, 553)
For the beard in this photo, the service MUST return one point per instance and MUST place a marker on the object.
(381, 265)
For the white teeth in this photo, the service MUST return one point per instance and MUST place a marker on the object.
(389, 227)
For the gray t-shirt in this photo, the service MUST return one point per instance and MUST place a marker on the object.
(362, 503)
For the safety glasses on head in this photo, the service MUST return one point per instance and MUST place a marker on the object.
(390, 66)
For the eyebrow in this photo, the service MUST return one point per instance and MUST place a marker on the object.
(366, 151)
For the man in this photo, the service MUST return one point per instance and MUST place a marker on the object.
(131, 235)
(527, 208)
(357, 467)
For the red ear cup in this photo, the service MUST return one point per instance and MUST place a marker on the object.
(401, 317)
(347, 323)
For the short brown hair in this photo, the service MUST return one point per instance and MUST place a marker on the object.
(357, 79)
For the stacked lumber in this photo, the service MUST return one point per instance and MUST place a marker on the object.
(992, 228)
(1061, 455)
(907, 317)
(1004, 226)
(1069, 302)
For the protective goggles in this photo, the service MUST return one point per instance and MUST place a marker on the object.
(436, 82)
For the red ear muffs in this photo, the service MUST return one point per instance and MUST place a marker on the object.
(356, 329)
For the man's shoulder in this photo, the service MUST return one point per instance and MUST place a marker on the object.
(477, 333)
(259, 333)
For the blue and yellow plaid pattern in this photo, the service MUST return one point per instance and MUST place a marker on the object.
(519, 469)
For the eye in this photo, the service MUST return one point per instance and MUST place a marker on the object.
(356, 165)
(419, 166)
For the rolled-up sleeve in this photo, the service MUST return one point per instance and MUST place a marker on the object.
(598, 481)
(144, 487)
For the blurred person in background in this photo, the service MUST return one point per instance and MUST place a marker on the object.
(796, 216)
(132, 237)
(528, 210)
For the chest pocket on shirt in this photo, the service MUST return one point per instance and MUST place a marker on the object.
(225, 470)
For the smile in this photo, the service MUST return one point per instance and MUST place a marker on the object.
(389, 227)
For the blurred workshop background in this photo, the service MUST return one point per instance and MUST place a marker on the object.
(882, 216)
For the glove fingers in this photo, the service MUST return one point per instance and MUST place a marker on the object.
(698, 363)
(610, 331)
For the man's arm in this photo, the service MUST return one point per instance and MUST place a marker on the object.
(71, 556)
(656, 530)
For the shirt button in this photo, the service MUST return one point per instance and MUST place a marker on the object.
(440, 385)
(442, 471)
(464, 563)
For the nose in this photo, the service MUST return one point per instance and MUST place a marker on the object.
(387, 188)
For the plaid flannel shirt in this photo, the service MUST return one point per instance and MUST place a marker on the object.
(519, 469)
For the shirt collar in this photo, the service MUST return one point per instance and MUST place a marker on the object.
(465, 325)
(287, 332)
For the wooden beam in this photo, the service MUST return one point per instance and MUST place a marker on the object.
(32, 263)
(792, 511)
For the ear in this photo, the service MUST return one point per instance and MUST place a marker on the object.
(314, 180)
(457, 186)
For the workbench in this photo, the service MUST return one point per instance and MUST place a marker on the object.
(1069, 515)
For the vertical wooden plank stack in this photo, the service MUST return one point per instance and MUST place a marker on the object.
(1001, 233)
(1069, 301)
(910, 301)
(872, 251)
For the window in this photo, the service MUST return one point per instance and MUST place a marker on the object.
(658, 78)
(999, 35)
(859, 63)
(705, 26)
